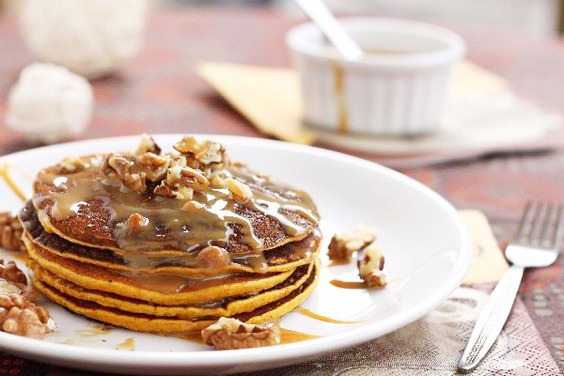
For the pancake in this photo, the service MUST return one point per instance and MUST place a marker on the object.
(170, 242)
(160, 289)
(86, 210)
(285, 258)
(156, 324)
(225, 307)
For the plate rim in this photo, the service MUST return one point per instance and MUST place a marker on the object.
(53, 352)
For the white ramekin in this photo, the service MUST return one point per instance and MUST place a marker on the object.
(382, 94)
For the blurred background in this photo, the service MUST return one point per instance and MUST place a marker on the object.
(535, 17)
(140, 64)
(84, 69)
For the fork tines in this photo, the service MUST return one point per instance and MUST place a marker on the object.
(541, 225)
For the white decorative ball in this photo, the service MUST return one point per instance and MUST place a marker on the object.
(49, 103)
(90, 37)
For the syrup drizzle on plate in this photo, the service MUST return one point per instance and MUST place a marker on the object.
(128, 344)
(290, 336)
(5, 175)
(313, 315)
(348, 284)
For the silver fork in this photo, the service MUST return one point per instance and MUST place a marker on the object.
(536, 244)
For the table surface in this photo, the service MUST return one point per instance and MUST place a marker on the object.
(157, 92)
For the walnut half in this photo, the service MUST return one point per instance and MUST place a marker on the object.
(239, 191)
(147, 145)
(18, 314)
(205, 152)
(136, 223)
(370, 265)
(11, 273)
(10, 232)
(214, 258)
(343, 245)
(123, 168)
(21, 317)
(232, 334)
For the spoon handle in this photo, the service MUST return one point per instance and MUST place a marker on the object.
(318, 12)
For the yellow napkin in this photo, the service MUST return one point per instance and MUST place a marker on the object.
(270, 97)
(260, 94)
(488, 263)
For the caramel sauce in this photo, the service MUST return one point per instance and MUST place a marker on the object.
(339, 262)
(256, 261)
(290, 336)
(167, 225)
(68, 342)
(94, 330)
(348, 284)
(313, 315)
(195, 337)
(169, 284)
(339, 77)
(22, 256)
(128, 344)
(5, 175)
(270, 197)
(140, 261)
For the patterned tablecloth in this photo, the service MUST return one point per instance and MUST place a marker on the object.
(157, 92)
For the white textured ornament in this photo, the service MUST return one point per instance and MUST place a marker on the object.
(49, 103)
(90, 37)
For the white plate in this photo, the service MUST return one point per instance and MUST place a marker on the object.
(427, 251)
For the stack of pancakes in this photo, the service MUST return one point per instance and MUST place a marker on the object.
(173, 262)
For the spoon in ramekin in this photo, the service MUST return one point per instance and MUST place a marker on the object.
(318, 12)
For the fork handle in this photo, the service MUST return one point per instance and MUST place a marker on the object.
(492, 319)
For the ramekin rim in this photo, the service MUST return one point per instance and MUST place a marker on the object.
(456, 46)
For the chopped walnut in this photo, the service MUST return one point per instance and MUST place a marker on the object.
(147, 145)
(188, 177)
(10, 232)
(179, 161)
(7, 288)
(22, 317)
(370, 265)
(136, 223)
(217, 181)
(124, 170)
(168, 175)
(205, 152)
(241, 192)
(343, 245)
(11, 273)
(232, 334)
(73, 164)
(214, 153)
(164, 190)
(193, 207)
(238, 164)
(18, 314)
(154, 166)
(214, 257)
(13, 280)
(188, 144)
(184, 193)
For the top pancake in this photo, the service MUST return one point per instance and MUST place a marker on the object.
(90, 207)
(284, 258)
